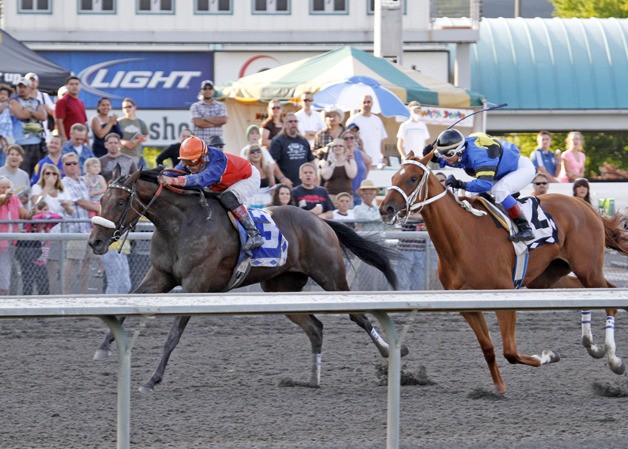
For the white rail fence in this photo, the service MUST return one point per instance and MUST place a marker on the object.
(379, 304)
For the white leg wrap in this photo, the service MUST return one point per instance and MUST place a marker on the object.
(376, 338)
(610, 336)
(585, 320)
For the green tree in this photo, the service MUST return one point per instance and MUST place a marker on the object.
(600, 148)
(591, 8)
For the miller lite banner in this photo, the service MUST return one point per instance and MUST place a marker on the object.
(154, 80)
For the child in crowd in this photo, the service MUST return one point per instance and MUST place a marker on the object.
(6, 124)
(95, 181)
(343, 204)
(33, 254)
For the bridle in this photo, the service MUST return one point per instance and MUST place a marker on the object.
(421, 188)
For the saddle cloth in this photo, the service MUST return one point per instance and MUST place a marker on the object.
(541, 222)
(274, 252)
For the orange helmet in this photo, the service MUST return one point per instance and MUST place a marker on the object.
(192, 149)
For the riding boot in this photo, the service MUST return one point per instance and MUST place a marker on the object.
(525, 231)
(254, 238)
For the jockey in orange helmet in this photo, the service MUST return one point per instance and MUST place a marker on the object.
(232, 175)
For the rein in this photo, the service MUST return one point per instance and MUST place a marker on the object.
(422, 187)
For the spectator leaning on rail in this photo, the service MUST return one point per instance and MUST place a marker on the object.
(232, 175)
(497, 166)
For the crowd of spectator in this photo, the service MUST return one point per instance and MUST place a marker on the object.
(55, 166)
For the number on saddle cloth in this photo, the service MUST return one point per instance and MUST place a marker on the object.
(541, 222)
(274, 252)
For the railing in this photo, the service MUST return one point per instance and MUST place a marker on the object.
(361, 277)
(380, 304)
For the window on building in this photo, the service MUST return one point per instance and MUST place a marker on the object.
(155, 6)
(271, 6)
(328, 6)
(213, 6)
(104, 6)
(35, 6)
(388, 3)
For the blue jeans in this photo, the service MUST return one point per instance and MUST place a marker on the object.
(118, 274)
(411, 270)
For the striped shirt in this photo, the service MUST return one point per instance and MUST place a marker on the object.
(77, 190)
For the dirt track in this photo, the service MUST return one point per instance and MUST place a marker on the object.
(222, 387)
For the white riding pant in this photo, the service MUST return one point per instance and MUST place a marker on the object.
(246, 188)
(515, 181)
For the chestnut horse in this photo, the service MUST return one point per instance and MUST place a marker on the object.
(473, 254)
(194, 245)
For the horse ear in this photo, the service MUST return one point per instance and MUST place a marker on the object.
(410, 154)
(117, 171)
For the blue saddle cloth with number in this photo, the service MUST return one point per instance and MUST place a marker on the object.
(274, 251)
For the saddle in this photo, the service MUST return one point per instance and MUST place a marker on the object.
(542, 224)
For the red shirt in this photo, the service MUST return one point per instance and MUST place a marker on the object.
(71, 110)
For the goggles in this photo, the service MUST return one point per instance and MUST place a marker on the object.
(192, 162)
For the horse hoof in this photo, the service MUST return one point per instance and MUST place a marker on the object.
(595, 351)
(618, 368)
(551, 356)
(145, 389)
(102, 354)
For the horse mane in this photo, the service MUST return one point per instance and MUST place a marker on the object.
(152, 175)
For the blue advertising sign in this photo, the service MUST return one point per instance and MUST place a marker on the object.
(154, 80)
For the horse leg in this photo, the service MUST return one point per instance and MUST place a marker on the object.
(507, 320)
(313, 328)
(616, 364)
(178, 326)
(104, 351)
(363, 321)
(153, 282)
(478, 324)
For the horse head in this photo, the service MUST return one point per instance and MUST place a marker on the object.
(413, 186)
(118, 212)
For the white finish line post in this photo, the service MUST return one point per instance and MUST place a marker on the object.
(380, 304)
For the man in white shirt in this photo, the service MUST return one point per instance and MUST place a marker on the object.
(372, 131)
(310, 121)
(413, 134)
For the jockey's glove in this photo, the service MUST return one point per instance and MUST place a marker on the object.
(451, 181)
(179, 181)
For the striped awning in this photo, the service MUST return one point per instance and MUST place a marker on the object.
(312, 74)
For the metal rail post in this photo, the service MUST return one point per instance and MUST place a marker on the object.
(394, 379)
(124, 381)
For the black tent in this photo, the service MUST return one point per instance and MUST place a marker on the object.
(16, 60)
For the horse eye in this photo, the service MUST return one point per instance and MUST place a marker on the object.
(414, 179)
(120, 202)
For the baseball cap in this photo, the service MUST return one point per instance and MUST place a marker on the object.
(25, 81)
(206, 83)
(31, 75)
(351, 126)
(414, 104)
(216, 141)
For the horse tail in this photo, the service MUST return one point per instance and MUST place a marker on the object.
(615, 237)
(369, 251)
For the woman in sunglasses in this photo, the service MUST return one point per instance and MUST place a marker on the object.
(223, 172)
(497, 167)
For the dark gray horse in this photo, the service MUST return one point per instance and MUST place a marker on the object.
(198, 253)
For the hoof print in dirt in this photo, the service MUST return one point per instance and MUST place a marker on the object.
(408, 377)
(609, 391)
(481, 393)
(293, 383)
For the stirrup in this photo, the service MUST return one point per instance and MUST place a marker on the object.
(522, 237)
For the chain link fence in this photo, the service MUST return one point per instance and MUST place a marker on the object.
(59, 274)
